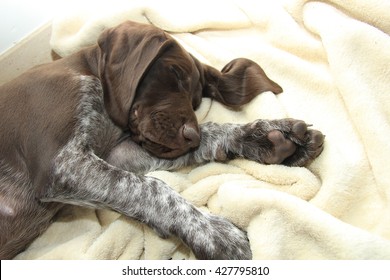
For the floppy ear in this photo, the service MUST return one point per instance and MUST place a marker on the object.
(238, 82)
(126, 52)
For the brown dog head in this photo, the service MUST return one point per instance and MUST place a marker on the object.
(152, 86)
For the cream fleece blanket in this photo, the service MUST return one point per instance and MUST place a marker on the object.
(332, 58)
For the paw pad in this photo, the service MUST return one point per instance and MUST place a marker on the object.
(299, 129)
(283, 147)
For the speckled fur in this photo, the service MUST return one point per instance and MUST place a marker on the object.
(93, 170)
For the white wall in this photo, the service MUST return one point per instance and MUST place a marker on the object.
(18, 18)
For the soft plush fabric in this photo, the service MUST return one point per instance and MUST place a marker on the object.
(332, 59)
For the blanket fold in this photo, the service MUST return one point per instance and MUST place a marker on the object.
(332, 59)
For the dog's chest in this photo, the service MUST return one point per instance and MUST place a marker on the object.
(94, 127)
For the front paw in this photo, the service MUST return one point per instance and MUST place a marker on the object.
(287, 141)
(221, 240)
(309, 142)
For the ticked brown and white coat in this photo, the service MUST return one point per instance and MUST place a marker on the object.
(85, 129)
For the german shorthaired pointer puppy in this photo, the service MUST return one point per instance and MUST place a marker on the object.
(84, 129)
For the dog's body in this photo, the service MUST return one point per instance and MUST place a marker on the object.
(84, 129)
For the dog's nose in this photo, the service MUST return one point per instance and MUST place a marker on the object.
(191, 134)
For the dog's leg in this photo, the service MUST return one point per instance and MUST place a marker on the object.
(287, 141)
(81, 178)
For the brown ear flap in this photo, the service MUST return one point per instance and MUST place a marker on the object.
(127, 51)
(238, 82)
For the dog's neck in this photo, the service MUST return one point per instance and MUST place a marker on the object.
(90, 58)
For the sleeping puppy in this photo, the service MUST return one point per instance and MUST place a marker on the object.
(85, 129)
